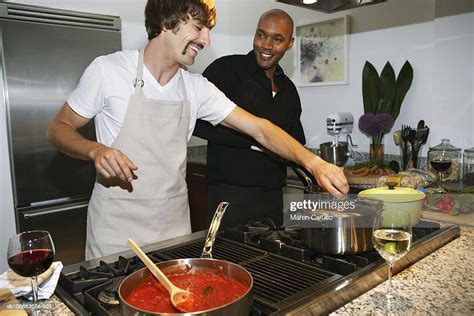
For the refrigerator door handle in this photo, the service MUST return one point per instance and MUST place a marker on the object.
(56, 210)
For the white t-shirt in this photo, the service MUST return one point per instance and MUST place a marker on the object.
(106, 86)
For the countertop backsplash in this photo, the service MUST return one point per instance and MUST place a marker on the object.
(198, 155)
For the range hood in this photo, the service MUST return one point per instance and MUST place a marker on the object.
(330, 6)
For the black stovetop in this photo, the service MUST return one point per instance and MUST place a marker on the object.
(286, 274)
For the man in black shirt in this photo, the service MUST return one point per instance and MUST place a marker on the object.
(247, 178)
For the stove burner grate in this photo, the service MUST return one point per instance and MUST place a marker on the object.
(286, 273)
(222, 249)
(103, 299)
(276, 279)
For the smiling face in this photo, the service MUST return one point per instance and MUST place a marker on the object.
(185, 41)
(273, 37)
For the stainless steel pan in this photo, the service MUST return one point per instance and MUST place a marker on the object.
(241, 306)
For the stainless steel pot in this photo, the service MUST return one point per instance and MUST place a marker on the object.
(337, 155)
(344, 232)
(241, 306)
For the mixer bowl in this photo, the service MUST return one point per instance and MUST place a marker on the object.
(337, 155)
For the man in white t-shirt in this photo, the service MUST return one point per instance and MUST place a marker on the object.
(145, 107)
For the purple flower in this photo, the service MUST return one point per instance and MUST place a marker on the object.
(368, 125)
(385, 121)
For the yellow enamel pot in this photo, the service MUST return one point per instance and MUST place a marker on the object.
(398, 198)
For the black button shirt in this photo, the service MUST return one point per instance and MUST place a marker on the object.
(229, 157)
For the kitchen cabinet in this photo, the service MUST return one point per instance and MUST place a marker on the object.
(196, 178)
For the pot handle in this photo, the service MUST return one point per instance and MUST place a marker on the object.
(211, 234)
(391, 185)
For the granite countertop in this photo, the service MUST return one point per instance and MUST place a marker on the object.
(441, 283)
(19, 306)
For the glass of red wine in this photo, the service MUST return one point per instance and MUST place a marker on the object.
(440, 164)
(30, 254)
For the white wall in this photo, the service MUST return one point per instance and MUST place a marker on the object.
(440, 49)
(439, 46)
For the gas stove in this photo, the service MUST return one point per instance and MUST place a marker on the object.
(288, 277)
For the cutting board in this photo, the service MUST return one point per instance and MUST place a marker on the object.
(461, 219)
(8, 300)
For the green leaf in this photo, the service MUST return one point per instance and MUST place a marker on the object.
(206, 292)
(370, 88)
(404, 80)
(387, 89)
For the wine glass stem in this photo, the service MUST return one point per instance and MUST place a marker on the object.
(440, 174)
(389, 267)
(34, 287)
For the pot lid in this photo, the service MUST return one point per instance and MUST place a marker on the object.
(393, 194)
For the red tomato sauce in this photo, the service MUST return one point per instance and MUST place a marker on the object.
(210, 289)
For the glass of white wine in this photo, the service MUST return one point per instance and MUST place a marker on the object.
(392, 235)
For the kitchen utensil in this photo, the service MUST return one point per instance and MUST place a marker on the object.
(178, 296)
(339, 125)
(347, 232)
(336, 154)
(398, 198)
(421, 136)
(412, 140)
(240, 306)
(420, 125)
(425, 138)
(397, 137)
(405, 146)
(395, 166)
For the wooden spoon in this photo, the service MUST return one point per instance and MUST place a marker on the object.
(181, 299)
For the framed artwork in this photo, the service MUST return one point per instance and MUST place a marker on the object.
(322, 52)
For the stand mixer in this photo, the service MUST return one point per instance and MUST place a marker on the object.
(339, 125)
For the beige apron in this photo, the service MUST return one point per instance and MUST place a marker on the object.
(154, 206)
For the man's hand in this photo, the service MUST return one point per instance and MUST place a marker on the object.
(111, 162)
(273, 138)
(329, 176)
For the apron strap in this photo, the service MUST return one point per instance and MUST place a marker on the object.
(186, 104)
(138, 81)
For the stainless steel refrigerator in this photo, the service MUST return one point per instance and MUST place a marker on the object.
(43, 52)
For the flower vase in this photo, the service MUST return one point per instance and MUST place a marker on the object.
(376, 152)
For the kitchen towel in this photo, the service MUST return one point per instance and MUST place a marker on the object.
(21, 286)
